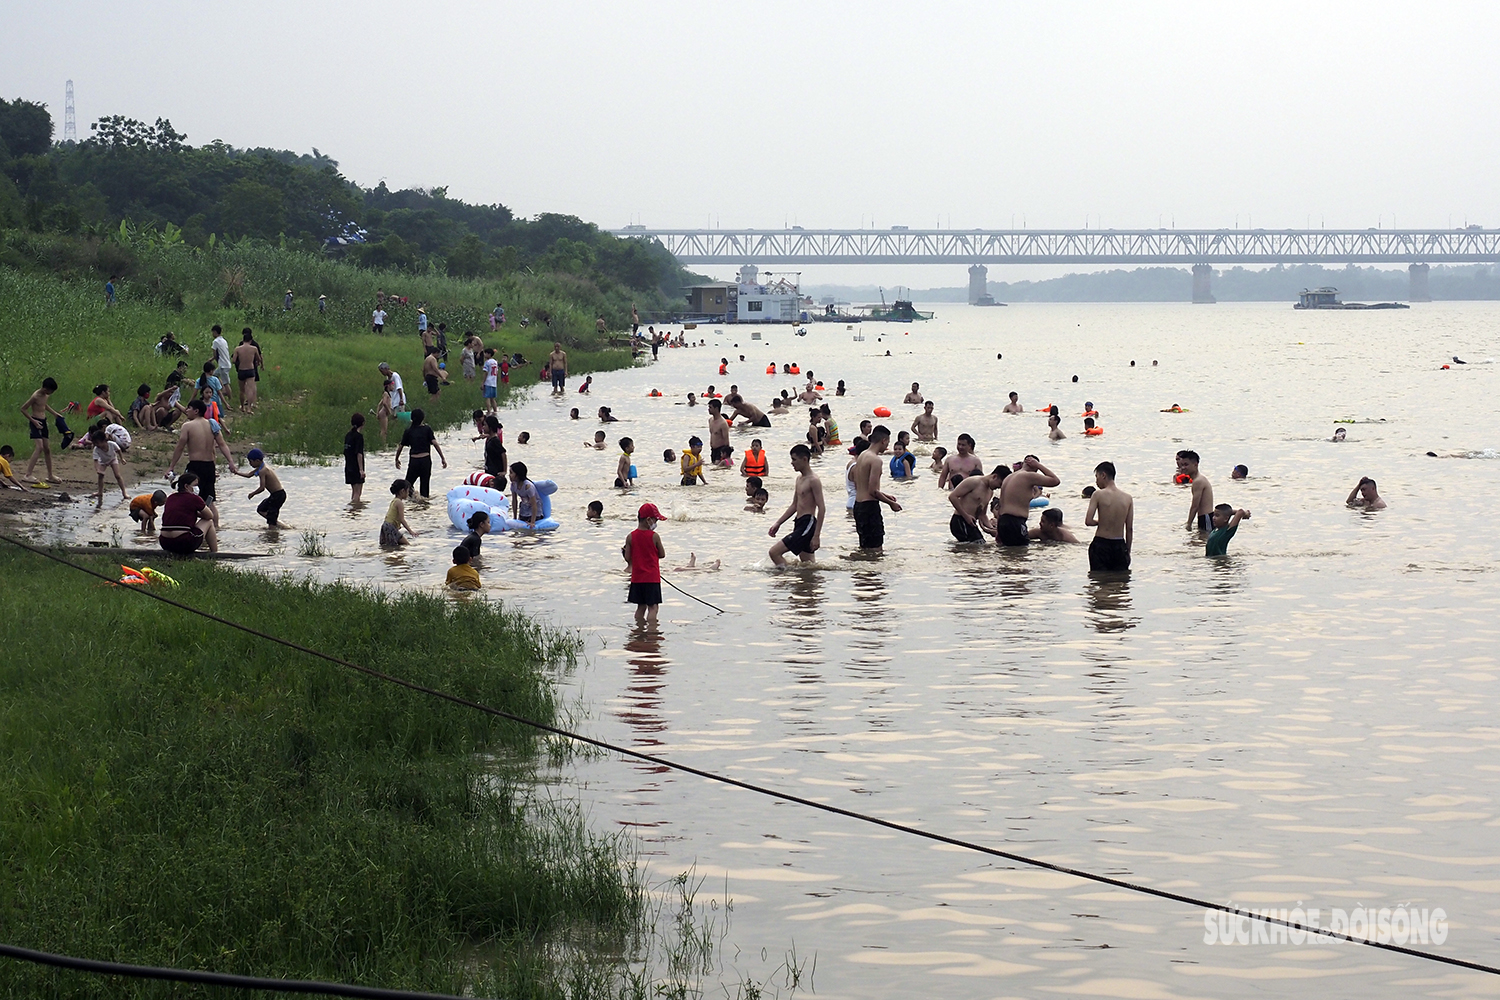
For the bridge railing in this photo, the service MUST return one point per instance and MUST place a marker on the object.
(1076, 246)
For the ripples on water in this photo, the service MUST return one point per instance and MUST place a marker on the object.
(1311, 719)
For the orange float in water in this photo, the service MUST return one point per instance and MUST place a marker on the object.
(882, 411)
(1182, 479)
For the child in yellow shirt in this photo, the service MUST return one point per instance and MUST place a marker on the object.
(462, 576)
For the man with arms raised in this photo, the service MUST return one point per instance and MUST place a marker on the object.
(808, 510)
(962, 462)
(1015, 501)
(201, 441)
(971, 500)
(925, 425)
(868, 521)
(1112, 510)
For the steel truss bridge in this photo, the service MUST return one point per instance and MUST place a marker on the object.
(1214, 247)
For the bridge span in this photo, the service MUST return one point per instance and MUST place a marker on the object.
(1202, 249)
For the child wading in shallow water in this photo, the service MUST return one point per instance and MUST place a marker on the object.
(644, 552)
(395, 517)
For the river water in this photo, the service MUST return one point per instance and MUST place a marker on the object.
(1311, 720)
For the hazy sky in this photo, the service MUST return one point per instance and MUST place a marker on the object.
(678, 114)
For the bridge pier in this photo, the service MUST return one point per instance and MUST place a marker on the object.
(1203, 292)
(979, 276)
(1419, 292)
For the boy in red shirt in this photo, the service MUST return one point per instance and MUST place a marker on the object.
(644, 552)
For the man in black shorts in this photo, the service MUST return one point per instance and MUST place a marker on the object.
(1112, 510)
(971, 504)
(869, 522)
(806, 507)
(1015, 501)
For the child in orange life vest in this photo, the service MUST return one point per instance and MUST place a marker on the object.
(754, 462)
(643, 551)
(723, 366)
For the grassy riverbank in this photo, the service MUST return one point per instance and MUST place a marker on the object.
(320, 367)
(178, 793)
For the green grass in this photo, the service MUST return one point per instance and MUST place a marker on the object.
(174, 792)
(320, 368)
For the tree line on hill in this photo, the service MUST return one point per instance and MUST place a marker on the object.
(148, 175)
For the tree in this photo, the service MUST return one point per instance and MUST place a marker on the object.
(25, 127)
(466, 260)
(117, 130)
(250, 208)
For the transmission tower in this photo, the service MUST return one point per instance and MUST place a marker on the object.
(70, 123)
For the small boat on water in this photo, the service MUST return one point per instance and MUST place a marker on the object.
(900, 311)
(1328, 298)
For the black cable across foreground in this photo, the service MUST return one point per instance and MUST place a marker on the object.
(700, 600)
(993, 852)
(212, 978)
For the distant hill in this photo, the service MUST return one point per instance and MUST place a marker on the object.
(1173, 284)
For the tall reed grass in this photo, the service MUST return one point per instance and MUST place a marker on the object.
(175, 793)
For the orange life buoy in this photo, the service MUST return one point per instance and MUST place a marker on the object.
(882, 411)
(1094, 431)
(1182, 479)
(1089, 413)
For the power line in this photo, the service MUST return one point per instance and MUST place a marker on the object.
(212, 978)
(70, 123)
(913, 831)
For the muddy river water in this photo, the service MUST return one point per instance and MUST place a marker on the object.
(1309, 722)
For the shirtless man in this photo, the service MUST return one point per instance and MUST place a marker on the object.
(36, 409)
(971, 500)
(557, 361)
(245, 359)
(808, 510)
(1051, 529)
(718, 435)
(1201, 511)
(925, 425)
(915, 396)
(1365, 496)
(197, 436)
(809, 394)
(962, 462)
(1015, 501)
(1112, 511)
(868, 521)
(754, 415)
(432, 375)
(1054, 428)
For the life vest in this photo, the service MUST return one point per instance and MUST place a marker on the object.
(1090, 413)
(796, 370)
(771, 369)
(1094, 431)
(755, 462)
(653, 394)
(723, 369)
(1182, 479)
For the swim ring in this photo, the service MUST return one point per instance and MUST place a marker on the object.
(464, 501)
(1182, 479)
(882, 411)
(1040, 501)
(545, 521)
(480, 479)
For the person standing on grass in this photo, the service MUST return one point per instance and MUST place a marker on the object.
(557, 361)
(354, 457)
(377, 320)
(246, 360)
(392, 398)
(109, 292)
(422, 440)
(220, 348)
(432, 375)
(643, 552)
(36, 409)
(286, 303)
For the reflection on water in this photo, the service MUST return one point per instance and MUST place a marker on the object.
(1309, 719)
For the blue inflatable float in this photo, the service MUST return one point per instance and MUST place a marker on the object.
(464, 501)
